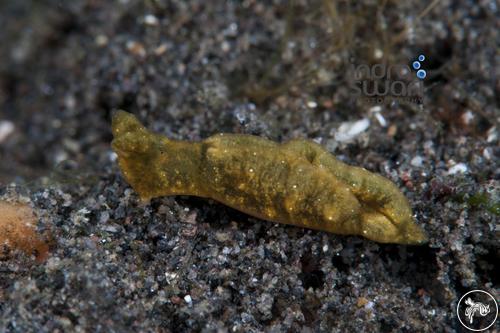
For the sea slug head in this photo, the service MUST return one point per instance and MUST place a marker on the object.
(389, 228)
(138, 151)
(411, 233)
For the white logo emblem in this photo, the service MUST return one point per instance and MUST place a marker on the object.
(477, 310)
(474, 308)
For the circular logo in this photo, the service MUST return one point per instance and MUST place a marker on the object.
(477, 310)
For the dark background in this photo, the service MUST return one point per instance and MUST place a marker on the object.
(279, 69)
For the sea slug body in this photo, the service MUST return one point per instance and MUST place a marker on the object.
(298, 182)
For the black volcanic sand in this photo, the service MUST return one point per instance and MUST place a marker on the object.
(279, 69)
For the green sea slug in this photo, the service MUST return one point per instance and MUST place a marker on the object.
(298, 182)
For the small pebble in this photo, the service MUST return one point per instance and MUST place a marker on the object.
(350, 130)
(136, 48)
(151, 20)
(160, 50)
(416, 161)
(381, 120)
(101, 40)
(312, 104)
(378, 54)
(6, 129)
(492, 134)
(458, 168)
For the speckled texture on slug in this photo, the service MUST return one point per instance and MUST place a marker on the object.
(297, 183)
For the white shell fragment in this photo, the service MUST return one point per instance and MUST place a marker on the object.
(458, 168)
(6, 129)
(347, 131)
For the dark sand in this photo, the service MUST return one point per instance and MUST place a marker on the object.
(189, 69)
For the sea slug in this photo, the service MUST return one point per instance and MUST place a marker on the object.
(298, 182)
